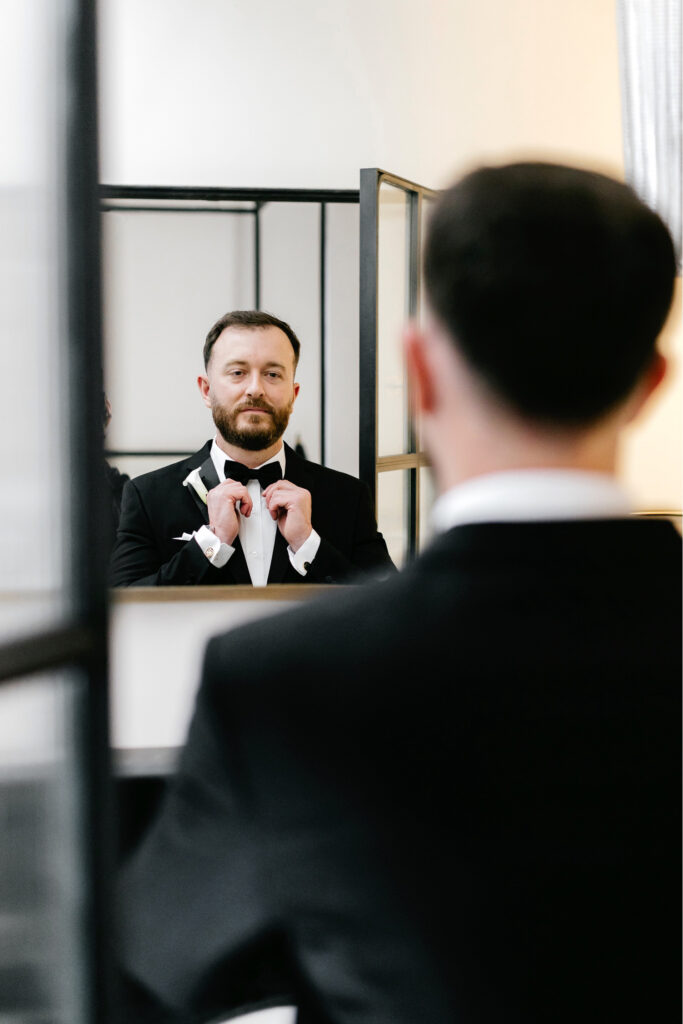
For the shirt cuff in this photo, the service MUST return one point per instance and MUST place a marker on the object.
(215, 550)
(301, 559)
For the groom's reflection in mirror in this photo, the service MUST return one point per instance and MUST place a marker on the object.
(246, 508)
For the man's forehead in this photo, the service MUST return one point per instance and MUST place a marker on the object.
(245, 343)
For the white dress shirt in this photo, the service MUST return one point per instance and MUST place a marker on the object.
(531, 495)
(257, 532)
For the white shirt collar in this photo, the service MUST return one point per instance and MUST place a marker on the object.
(218, 457)
(531, 496)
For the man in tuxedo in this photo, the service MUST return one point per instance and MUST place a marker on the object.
(455, 795)
(246, 508)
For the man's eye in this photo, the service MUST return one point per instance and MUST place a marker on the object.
(273, 375)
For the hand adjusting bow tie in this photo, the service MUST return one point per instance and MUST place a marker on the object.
(267, 474)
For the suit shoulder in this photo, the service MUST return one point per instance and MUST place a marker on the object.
(349, 619)
(334, 478)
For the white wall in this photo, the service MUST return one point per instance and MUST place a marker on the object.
(259, 92)
(168, 277)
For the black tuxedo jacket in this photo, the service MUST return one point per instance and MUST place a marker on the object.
(156, 508)
(453, 796)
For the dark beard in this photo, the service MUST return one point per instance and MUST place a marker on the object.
(257, 437)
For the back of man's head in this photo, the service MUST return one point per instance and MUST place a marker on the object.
(554, 284)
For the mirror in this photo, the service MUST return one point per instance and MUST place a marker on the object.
(178, 259)
(173, 266)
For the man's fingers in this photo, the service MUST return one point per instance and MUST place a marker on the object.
(284, 491)
(267, 491)
(274, 502)
(278, 498)
(235, 493)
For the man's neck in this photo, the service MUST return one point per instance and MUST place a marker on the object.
(452, 475)
(482, 453)
(249, 458)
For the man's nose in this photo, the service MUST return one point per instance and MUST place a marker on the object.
(254, 383)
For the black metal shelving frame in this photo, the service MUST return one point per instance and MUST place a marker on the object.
(371, 464)
(179, 199)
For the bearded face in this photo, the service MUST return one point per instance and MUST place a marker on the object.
(251, 430)
(249, 386)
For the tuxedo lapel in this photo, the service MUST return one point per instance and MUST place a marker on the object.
(237, 564)
(207, 472)
(279, 563)
(200, 504)
(209, 477)
(295, 469)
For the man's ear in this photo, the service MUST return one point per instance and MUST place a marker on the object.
(648, 384)
(204, 388)
(420, 385)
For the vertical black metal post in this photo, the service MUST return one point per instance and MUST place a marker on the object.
(257, 256)
(367, 441)
(413, 270)
(88, 506)
(323, 324)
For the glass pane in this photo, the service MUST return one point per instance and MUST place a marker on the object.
(393, 489)
(40, 858)
(33, 483)
(392, 311)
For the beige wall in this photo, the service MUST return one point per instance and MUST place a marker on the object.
(526, 78)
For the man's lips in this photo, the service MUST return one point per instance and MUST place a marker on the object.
(254, 408)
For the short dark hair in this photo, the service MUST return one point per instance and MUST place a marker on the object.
(253, 318)
(553, 283)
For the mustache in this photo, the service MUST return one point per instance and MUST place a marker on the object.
(256, 404)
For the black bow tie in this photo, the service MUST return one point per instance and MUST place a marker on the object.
(267, 474)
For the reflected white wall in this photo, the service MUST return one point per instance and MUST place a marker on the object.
(169, 276)
(305, 94)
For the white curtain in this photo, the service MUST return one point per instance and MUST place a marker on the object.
(649, 33)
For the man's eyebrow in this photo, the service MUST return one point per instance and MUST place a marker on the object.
(245, 362)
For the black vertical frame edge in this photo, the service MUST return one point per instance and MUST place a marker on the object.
(257, 256)
(413, 299)
(323, 331)
(89, 507)
(367, 439)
